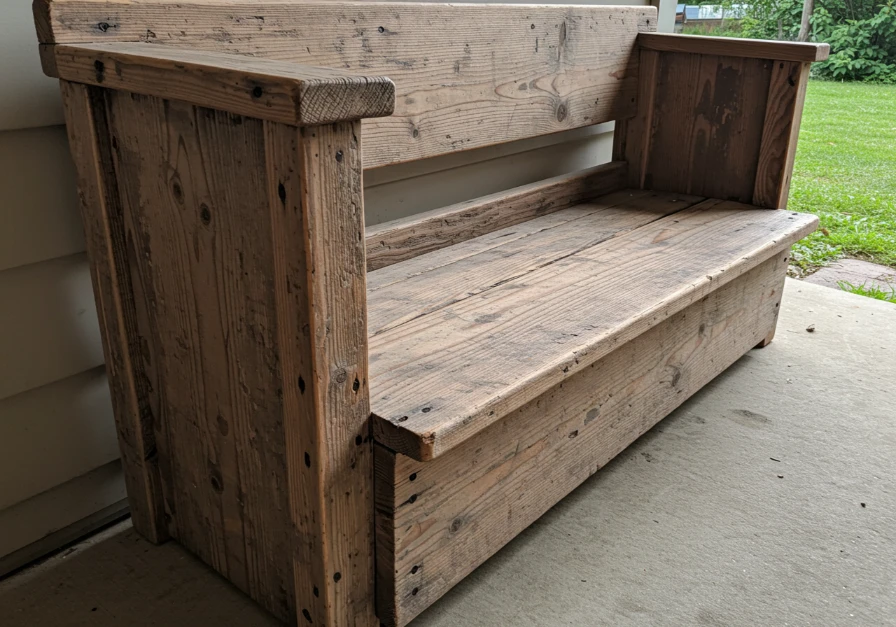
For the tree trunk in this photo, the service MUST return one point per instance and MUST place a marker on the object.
(808, 7)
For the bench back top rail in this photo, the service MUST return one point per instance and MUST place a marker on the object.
(466, 75)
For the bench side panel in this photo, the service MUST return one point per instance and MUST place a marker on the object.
(229, 263)
(466, 76)
(715, 125)
(439, 520)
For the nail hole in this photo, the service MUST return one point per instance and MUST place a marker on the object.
(339, 156)
(356, 386)
(358, 440)
(307, 460)
(413, 476)
(307, 615)
(205, 214)
(414, 570)
(381, 29)
(426, 410)
(301, 385)
(257, 92)
(415, 591)
(402, 419)
(337, 577)
(413, 498)
(416, 133)
(281, 191)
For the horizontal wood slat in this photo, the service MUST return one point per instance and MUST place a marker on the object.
(439, 520)
(399, 240)
(444, 372)
(735, 47)
(260, 88)
(535, 70)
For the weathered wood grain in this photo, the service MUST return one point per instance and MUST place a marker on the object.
(260, 88)
(448, 277)
(787, 93)
(399, 240)
(192, 181)
(437, 521)
(631, 139)
(105, 234)
(707, 125)
(443, 376)
(735, 47)
(314, 181)
(535, 70)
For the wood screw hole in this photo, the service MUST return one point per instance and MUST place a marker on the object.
(381, 29)
(426, 410)
(257, 92)
(307, 615)
(358, 440)
(205, 214)
(307, 460)
(413, 476)
(337, 577)
(413, 498)
(356, 386)
(339, 156)
(414, 570)
(316, 591)
(402, 419)
(415, 591)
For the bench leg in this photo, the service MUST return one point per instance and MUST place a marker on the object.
(767, 339)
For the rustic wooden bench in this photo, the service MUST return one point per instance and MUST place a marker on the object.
(346, 424)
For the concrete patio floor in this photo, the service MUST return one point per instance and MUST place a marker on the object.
(767, 499)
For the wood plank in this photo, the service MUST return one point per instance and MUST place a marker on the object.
(266, 89)
(400, 240)
(101, 214)
(535, 70)
(735, 47)
(317, 210)
(437, 521)
(192, 184)
(787, 93)
(466, 270)
(631, 140)
(443, 376)
(712, 147)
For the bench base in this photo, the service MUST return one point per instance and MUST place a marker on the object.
(437, 521)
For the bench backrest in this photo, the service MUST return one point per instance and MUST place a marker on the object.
(466, 75)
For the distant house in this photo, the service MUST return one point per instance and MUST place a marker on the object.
(710, 17)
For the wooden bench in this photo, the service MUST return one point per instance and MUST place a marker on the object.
(346, 424)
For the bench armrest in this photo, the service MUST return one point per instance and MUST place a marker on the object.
(717, 117)
(734, 47)
(262, 88)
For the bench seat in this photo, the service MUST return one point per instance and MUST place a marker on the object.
(462, 336)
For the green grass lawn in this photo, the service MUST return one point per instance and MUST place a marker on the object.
(845, 173)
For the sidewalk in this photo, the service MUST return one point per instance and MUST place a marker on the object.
(767, 499)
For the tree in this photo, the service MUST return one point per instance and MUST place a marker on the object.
(808, 6)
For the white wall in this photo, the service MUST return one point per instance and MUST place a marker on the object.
(59, 472)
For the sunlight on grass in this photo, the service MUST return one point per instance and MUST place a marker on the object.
(845, 173)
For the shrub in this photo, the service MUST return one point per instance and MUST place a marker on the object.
(862, 34)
